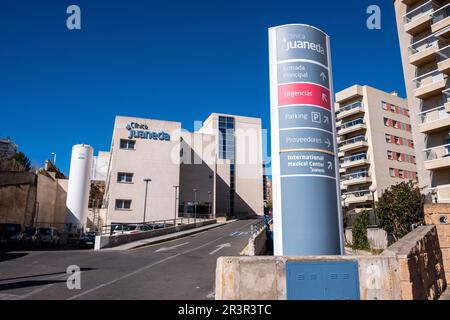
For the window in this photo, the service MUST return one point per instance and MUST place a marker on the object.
(127, 144)
(123, 204)
(124, 177)
(392, 172)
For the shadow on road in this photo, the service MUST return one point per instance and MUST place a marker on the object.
(5, 255)
(27, 283)
(44, 274)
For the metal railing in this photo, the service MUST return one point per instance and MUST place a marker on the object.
(354, 105)
(123, 228)
(423, 44)
(438, 152)
(353, 140)
(433, 115)
(352, 214)
(420, 11)
(352, 123)
(443, 53)
(428, 78)
(356, 175)
(355, 157)
(441, 13)
(357, 193)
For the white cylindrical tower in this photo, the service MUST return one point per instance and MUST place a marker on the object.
(79, 185)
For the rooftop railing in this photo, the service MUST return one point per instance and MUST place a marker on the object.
(354, 105)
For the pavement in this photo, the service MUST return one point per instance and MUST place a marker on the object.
(166, 237)
(445, 295)
(178, 269)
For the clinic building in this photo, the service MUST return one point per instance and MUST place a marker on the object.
(215, 171)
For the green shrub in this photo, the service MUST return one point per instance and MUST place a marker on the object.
(359, 231)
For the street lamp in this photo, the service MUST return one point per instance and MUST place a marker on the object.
(195, 205)
(145, 200)
(54, 158)
(373, 189)
(176, 211)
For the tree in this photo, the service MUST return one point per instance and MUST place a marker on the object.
(399, 208)
(359, 231)
(22, 160)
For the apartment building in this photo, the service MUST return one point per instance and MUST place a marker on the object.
(7, 147)
(424, 34)
(376, 149)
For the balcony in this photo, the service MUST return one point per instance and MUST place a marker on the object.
(440, 18)
(443, 35)
(429, 84)
(423, 51)
(419, 19)
(351, 126)
(434, 120)
(354, 161)
(358, 177)
(353, 143)
(358, 196)
(350, 109)
(437, 158)
(441, 193)
(444, 60)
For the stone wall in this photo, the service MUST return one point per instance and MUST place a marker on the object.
(420, 264)
(438, 214)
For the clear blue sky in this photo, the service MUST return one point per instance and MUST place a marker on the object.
(172, 60)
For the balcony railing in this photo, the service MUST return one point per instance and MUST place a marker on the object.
(353, 140)
(438, 152)
(441, 13)
(433, 115)
(352, 123)
(358, 193)
(418, 12)
(444, 53)
(423, 44)
(351, 106)
(355, 157)
(356, 175)
(428, 78)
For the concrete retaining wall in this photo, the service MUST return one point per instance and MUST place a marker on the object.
(113, 241)
(409, 269)
(377, 237)
(257, 243)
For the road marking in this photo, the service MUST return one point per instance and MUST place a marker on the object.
(220, 247)
(150, 266)
(170, 248)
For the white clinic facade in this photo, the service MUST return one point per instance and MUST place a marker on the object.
(187, 170)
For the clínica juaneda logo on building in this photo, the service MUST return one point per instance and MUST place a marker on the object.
(142, 131)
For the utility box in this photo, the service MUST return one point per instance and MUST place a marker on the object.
(322, 280)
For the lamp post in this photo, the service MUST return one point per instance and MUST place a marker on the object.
(373, 189)
(54, 158)
(209, 204)
(176, 211)
(344, 196)
(145, 200)
(195, 206)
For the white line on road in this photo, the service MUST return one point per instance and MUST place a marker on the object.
(149, 266)
(220, 247)
(170, 248)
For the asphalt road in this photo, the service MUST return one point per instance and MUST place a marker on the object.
(179, 269)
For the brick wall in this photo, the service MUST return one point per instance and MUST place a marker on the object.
(420, 264)
(433, 214)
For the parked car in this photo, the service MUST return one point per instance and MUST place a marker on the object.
(10, 233)
(37, 237)
(87, 240)
(131, 229)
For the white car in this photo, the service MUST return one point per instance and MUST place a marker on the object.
(131, 229)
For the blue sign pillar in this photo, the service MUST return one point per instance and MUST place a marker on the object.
(305, 169)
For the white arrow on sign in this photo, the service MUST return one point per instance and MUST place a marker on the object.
(170, 248)
(330, 165)
(220, 247)
(326, 119)
(323, 76)
(328, 143)
(324, 97)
